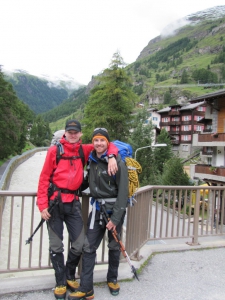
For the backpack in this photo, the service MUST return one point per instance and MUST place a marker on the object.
(57, 136)
(134, 168)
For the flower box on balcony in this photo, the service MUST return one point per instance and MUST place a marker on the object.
(213, 169)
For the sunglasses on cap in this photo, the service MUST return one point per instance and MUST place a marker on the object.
(104, 129)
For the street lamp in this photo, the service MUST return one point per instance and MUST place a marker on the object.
(155, 145)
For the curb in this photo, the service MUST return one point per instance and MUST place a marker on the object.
(46, 282)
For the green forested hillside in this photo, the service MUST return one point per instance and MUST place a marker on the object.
(74, 103)
(19, 126)
(36, 92)
(14, 119)
(181, 63)
(170, 69)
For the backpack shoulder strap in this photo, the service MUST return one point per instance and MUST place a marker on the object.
(59, 151)
(81, 152)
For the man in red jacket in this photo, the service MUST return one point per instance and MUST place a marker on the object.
(65, 178)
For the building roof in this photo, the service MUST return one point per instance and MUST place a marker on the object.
(183, 107)
(164, 109)
(192, 105)
(212, 96)
(152, 109)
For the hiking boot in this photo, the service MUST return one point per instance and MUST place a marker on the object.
(114, 288)
(73, 285)
(60, 292)
(78, 295)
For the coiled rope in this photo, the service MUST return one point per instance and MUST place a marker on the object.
(134, 168)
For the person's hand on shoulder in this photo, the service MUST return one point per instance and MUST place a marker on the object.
(112, 165)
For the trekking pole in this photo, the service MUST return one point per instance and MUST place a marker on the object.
(50, 210)
(118, 240)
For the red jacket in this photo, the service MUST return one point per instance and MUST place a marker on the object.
(67, 175)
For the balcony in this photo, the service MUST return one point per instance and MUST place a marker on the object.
(175, 123)
(207, 152)
(197, 131)
(174, 113)
(164, 124)
(211, 173)
(177, 142)
(199, 113)
(188, 122)
(210, 140)
(186, 142)
(207, 130)
(186, 132)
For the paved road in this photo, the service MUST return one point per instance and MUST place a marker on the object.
(185, 275)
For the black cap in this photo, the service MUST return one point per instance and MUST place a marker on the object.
(73, 125)
(99, 132)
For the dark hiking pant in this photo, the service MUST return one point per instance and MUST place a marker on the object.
(70, 214)
(92, 241)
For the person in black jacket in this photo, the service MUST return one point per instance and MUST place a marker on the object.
(110, 193)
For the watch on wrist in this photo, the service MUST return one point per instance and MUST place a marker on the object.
(111, 155)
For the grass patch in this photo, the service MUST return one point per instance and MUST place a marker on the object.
(28, 146)
(139, 270)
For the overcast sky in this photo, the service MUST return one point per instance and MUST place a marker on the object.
(78, 37)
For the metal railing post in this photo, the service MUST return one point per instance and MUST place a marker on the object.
(196, 219)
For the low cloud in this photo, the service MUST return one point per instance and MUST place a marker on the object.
(172, 27)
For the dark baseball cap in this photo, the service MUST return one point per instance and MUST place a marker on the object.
(73, 125)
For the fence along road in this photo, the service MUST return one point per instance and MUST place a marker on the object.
(24, 179)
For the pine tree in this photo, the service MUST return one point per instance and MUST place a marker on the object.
(174, 174)
(162, 154)
(14, 117)
(40, 134)
(111, 102)
(142, 136)
(184, 77)
(167, 97)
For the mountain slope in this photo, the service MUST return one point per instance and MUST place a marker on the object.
(188, 27)
(75, 102)
(40, 94)
(187, 60)
(195, 51)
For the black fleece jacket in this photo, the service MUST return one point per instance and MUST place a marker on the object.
(103, 186)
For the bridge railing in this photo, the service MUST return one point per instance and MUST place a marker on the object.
(174, 212)
(161, 213)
